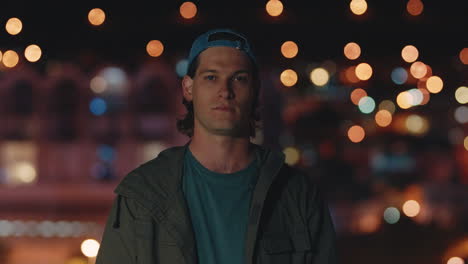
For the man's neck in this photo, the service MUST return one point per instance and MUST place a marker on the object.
(222, 154)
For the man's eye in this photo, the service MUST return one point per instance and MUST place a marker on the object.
(210, 77)
(240, 78)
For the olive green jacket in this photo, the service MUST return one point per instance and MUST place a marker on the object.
(150, 224)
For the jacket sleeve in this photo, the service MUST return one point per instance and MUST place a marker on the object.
(117, 240)
(321, 231)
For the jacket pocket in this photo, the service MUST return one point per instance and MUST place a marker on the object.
(285, 249)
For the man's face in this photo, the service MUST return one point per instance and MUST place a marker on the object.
(222, 91)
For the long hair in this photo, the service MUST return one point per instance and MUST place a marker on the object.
(186, 124)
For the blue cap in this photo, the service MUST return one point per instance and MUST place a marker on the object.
(206, 40)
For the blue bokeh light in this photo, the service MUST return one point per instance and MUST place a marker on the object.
(182, 68)
(106, 153)
(98, 106)
(399, 75)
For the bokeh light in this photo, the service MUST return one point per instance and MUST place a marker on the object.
(10, 58)
(96, 16)
(465, 143)
(464, 56)
(154, 48)
(98, 106)
(399, 75)
(352, 51)
(357, 94)
(288, 77)
(22, 173)
(409, 53)
(292, 155)
(274, 7)
(1, 56)
(182, 67)
(90, 248)
(350, 74)
(289, 49)
(416, 96)
(411, 208)
(14, 26)
(358, 7)
(434, 84)
(188, 10)
(356, 133)
(383, 118)
(416, 124)
(319, 76)
(461, 114)
(391, 215)
(455, 260)
(418, 69)
(414, 7)
(363, 71)
(33, 53)
(387, 105)
(426, 96)
(98, 84)
(366, 105)
(461, 94)
(404, 100)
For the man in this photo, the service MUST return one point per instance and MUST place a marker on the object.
(218, 199)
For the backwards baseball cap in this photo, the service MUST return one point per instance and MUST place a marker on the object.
(220, 38)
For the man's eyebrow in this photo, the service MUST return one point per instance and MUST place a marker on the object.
(208, 70)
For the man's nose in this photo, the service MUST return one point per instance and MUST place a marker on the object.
(225, 90)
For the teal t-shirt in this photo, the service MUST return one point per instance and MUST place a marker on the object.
(219, 208)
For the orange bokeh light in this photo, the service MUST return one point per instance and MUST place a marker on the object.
(356, 134)
(464, 56)
(274, 7)
(363, 71)
(352, 51)
(409, 53)
(289, 49)
(383, 118)
(188, 10)
(96, 16)
(418, 69)
(414, 7)
(357, 94)
(155, 48)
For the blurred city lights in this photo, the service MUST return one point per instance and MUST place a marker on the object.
(363, 71)
(387, 105)
(418, 69)
(369, 223)
(319, 76)
(288, 77)
(411, 208)
(455, 260)
(358, 7)
(274, 7)
(182, 67)
(289, 49)
(357, 94)
(356, 134)
(188, 10)
(98, 106)
(399, 75)
(352, 51)
(96, 16)
(14, 26)
(417, 96)
(155, 48)
(409, 53)
(416, 124)
(90, 248)
(10, 58)
(465, 143)
(383, 118)
(404, 100)
(461, 94)
(464, 56)
(461, 114)
(32, 53)
(414, 7)
(98, 84)
(350, 74)
(366, 104)
(428, 72)
(292, 155)
(426, 96)
(391, 215)
(21, 173)
(434, 84)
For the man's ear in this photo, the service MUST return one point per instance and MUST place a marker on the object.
(187, 85)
